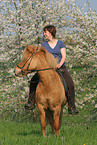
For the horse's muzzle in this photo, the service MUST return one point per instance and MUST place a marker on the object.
(18, 71)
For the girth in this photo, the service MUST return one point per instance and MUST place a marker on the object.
(63, 81)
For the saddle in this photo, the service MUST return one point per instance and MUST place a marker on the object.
(63, 81)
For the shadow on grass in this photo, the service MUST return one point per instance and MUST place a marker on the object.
(33, 132)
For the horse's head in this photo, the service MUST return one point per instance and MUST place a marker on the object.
(33, 59)
(27, 60)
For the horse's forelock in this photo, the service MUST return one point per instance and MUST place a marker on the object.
(28, 50)
(32, 48)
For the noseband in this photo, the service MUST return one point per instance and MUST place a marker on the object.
(32, 54)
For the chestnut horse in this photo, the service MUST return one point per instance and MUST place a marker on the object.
(50, 92)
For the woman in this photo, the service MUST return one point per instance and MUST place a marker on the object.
(57, 48)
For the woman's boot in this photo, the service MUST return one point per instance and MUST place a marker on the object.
(71, 106)
(32, 90)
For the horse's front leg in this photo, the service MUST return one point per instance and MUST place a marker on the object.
(42, 118)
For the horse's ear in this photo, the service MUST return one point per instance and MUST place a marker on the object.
(27, 45)
(31, 48)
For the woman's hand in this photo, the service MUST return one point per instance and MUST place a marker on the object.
(59, 65)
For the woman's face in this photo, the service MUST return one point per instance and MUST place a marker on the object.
(47, 34)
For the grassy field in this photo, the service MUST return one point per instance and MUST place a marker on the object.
(80, 129)
(76, 130)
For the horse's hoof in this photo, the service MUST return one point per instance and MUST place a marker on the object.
(73, 111)
(29, 106)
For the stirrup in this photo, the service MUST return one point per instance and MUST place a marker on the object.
(29, 106)
(73, 111)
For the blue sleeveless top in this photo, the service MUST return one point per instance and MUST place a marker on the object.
(56, 50)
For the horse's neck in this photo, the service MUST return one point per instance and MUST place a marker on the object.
(46, 76)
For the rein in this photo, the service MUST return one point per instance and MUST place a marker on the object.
(29, 71)
(40, 70)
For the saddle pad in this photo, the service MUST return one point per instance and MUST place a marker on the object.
(63, 81)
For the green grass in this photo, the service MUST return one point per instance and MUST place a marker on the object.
(79, 129)
(75, 130)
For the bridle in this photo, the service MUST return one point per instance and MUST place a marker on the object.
(30, 58)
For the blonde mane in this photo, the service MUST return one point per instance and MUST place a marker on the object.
(49, 58)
